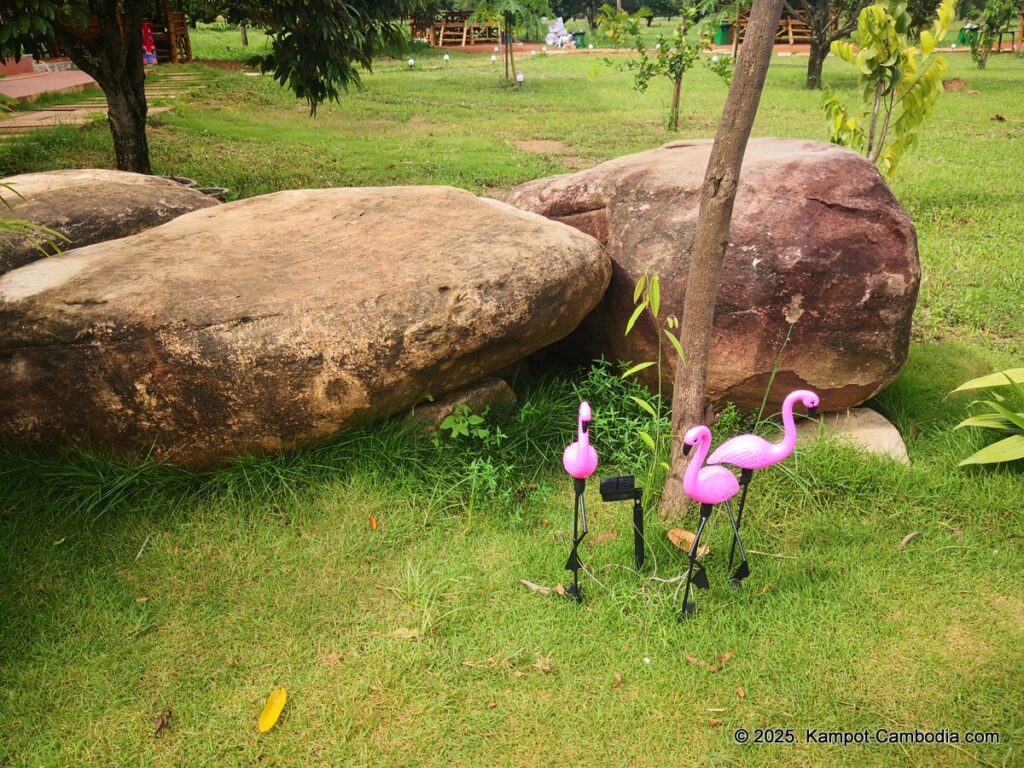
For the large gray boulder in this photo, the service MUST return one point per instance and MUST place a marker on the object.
(90, 206)
(818, 241)
(279, 320)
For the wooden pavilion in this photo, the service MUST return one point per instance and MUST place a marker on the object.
(792, 30)
(452, 28)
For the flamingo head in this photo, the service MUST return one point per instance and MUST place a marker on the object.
(585, 417)
(693, 437)
(811, 402)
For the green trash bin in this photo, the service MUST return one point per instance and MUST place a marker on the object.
(722, 33)
(968, 34)
(579, 39)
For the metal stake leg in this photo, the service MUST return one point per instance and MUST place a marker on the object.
(701, 579)
(745, 477)
(579, 520)
(744, 570)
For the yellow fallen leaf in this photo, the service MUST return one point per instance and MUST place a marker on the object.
(275, 703)
(683, 539)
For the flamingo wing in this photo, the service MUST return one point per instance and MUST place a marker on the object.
(745, 451)
(716, 484)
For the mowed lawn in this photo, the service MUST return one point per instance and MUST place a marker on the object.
(129, 590)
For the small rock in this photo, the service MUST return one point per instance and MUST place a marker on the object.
(495, 393)
(863, 428)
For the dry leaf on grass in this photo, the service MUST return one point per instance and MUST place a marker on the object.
(740, 693)
(374, 523)
(714, 722)
(683, 539)
(544, 523)
(161, 721)
(601, 538)
(722, 658)
(909, 538)
(544, 664)
(272, 709)
(142, 600)
(492, 704)
(618, 680)
(406, 634)
(535, 587)
(560, 590)
(331, 660)
(281, 515)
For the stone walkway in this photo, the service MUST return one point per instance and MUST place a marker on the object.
(163, 87)
(31, 86)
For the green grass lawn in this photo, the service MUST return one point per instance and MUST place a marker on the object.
(128, 590)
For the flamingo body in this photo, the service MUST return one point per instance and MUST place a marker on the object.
(580, 458)
(707, 485)
(753, 452)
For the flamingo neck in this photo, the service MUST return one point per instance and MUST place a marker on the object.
(788, 425)
(582, 435)
(699, 454)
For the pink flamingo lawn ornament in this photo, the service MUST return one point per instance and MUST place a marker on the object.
(580, 461)
(750, 452)
(709, 486)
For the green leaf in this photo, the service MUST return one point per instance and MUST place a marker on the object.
(655, 294)
(645, 405)
(635, 316)
(675, 343)
(665, 466)
(1016, 418)
(636, 369)
(639, 289)
(987, 421)
(1008, 449)
(649, 441)
(1000, 379)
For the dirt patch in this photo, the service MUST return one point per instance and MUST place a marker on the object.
(542, 146)
(957, 84)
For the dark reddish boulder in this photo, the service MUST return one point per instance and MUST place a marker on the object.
(818, 244)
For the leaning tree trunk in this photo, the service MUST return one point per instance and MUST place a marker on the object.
(243, 30)
(721, 180)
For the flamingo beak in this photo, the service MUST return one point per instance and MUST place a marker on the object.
(686, 449)
(812, 412)
(586, 427)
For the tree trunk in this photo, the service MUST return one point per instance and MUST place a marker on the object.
(506, 39)
(673, 114)
(244, 30)
(819, 50)
(114, 60)
(126, 113)
(689, 394)
(511, 56)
